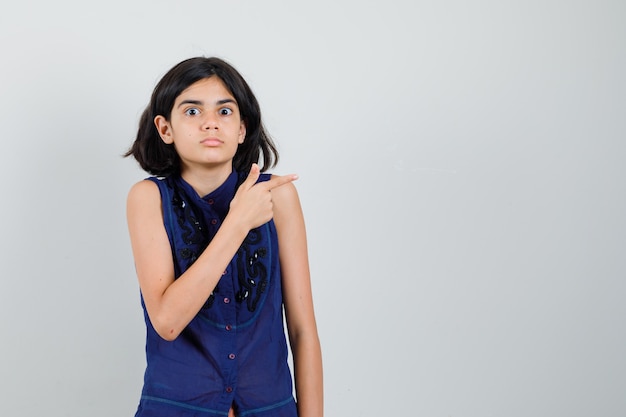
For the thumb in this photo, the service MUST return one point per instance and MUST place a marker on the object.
(253, 176)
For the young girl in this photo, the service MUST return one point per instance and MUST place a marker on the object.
(220, 249)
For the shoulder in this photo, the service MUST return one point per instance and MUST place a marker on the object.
(144, 210)
(143, 192)
(286, 206)
(144, 188)
(285, 194)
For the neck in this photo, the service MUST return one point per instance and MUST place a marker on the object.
(204, 180)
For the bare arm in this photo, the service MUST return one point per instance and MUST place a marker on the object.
(172, 304)
(302, 328)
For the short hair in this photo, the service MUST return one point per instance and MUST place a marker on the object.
(161, 159)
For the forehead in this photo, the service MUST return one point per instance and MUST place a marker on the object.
(211, 87)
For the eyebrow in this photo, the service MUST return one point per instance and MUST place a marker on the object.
(200, 102)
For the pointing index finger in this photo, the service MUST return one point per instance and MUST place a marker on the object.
(277, 181)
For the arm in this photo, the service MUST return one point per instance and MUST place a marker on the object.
(300, 317)
(171, 304)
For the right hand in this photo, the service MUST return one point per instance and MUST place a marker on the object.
(252, 203)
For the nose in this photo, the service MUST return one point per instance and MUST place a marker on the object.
(209, 122)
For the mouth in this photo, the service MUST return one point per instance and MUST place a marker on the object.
(211, 142)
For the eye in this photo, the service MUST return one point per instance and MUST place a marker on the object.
(225, 111)
(192, 111)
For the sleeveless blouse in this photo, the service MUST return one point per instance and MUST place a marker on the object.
(234, 352)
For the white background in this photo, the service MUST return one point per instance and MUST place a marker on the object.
(462, 176)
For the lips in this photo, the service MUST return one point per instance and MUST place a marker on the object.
(211, 142)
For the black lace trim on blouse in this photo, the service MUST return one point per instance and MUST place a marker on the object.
(252, 274)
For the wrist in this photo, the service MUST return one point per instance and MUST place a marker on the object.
(236, 227)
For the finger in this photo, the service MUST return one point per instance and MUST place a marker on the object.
(253, 176)
(277, 181)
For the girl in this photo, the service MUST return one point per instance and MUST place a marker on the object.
(219, 250)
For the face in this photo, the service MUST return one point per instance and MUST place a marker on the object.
(205, 125)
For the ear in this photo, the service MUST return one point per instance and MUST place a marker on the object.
(242, 132)
(164, 128)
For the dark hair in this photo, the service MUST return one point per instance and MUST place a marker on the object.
(161, 159)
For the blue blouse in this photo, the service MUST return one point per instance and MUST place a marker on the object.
(234, 352)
